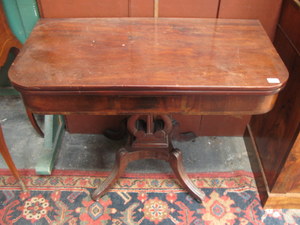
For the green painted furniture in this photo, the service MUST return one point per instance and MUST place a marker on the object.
(54, 131)
(21, 15)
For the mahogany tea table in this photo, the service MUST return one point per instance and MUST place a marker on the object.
(148, 69)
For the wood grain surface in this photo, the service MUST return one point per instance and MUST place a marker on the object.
(148, 55)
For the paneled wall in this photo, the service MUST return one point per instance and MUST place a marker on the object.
(188, 8)
(266, 11)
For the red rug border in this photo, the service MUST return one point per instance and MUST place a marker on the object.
(31, 172)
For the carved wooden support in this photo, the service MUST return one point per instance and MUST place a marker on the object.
(149, 131)
(149, 139)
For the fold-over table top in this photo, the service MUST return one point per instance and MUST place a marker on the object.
(148, 54)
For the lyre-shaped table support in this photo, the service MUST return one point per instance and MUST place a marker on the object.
(149, 139)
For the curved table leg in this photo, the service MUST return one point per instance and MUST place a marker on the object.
(119, 168)
(177, 166)
(34, 123)
(7, 157)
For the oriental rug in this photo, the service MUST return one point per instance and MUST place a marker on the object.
(64, 198)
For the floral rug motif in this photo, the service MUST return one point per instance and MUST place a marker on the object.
(64, 198)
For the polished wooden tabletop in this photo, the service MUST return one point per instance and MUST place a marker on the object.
(147, 65)
(153, 55)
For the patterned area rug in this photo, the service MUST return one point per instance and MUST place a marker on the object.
(64, 198)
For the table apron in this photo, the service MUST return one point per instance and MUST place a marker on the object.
(116, 105)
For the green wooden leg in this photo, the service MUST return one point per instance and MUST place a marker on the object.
(54, 131)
